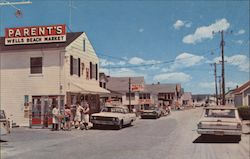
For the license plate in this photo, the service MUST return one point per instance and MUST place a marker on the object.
(219, 133)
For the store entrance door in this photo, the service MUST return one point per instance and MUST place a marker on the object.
(42, 109)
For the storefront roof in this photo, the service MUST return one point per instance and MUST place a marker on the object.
(162, 88)
(120, 84)
(70, 37)
(90, 89)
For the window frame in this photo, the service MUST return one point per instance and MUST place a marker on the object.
(40, 65)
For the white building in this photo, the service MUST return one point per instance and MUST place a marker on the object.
(33, 77)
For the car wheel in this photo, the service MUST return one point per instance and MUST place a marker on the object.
(120, 126)
(130, 123)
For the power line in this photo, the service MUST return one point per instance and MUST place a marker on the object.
(153, 64)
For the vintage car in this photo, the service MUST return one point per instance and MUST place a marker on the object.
(151, 112)
(220, 120)
(117, 116)
(4, 123)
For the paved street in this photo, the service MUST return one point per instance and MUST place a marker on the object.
(172, 137)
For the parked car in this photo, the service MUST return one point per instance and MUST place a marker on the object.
(117, 116)
(152, 112)
(199, 104)
(4, 123)
(220, 120)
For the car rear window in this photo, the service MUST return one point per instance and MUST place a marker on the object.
(220, 113)
(113, 110)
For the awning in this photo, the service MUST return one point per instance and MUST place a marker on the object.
(91, 89)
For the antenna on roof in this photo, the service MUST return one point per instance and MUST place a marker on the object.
(71, 6)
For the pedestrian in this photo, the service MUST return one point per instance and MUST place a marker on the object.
(78, 116)
(55, 118)
(86, 115)
(169, 108)
(67, 114)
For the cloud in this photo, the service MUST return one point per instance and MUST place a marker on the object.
(207, 84)
(240, 32)
(105, 63)
(139, 61)
(136, 61)
(125, 72)
(231, 84)
(211, 85)
(177, 77)
(238, 41)
(141, 30)
(184, 60)
(206, 32)
(240, 61)
(179, 24)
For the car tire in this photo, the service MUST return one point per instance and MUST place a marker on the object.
(120, 126)
(130, 123)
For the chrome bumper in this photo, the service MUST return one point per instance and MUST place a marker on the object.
(101, 122)
(218, 132)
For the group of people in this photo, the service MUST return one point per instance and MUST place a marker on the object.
(78, 117)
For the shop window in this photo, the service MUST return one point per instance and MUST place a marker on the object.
(140, 96)
(148, 96)
(93, 71)
(36, 64)
(87, 73)
(75, 66)
(100, 83)
(96, 71)
(82, 68)
(84, 45)
(132, 96)
(90, 70)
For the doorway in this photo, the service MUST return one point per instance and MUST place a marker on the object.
(42, 109)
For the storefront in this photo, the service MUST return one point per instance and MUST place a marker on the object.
(41, 112)
(60, 68)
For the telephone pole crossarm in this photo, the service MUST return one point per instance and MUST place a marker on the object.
(6, 3)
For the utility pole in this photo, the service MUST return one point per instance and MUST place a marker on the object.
(222, 67)
(129, 90)
(220, 88)
(12, 4)
(215, 80)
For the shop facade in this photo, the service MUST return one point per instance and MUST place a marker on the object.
(37, 75)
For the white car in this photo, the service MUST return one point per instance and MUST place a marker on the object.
(117, 116)
(4, 123)
(220, 120)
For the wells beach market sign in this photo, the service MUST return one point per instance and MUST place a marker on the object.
(35, 34)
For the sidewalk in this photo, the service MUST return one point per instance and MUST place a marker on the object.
(246, 127)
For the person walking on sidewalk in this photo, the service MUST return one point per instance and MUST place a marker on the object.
(78, 116)
(86, 115)
(55, 119)
(67, 114)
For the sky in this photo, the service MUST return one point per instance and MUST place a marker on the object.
(164, 41)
